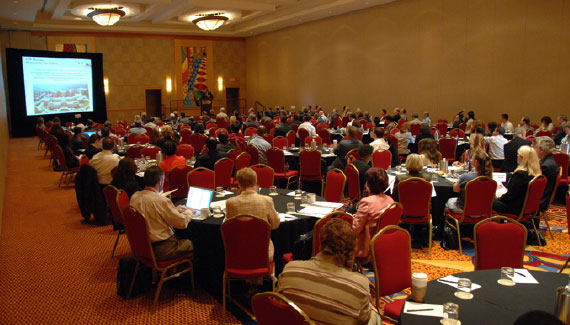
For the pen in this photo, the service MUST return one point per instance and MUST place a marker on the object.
(441, 280)
(426, 309)
(521, 274)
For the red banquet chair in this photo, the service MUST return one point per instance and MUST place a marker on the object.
(318, 140)
(303, 133)
(117, 201)
(254, 153)
(276, 159)
(382, 159)
(280, 142)
(250, 131)
(139, 239)
(442, 129)
(185, 135)
(531, 204)
(479, 196)
(391, 257)
(291, 138)
(390, 216)
(223, 169)
(268, 137)
(185, 150)
(543, 215)
(177, 180)
(150, 152)
(310, 167)
(272, 308)
(201, 177)
(457, 132)
(232, 154)
(325, 136)
(334, 185)
(150, 134)
(198, 141)
(499, 244)
(562, 161)
(352, 155)
(353, 180)
(415, 195)
(220, 130)
(142, 139)
(132, 138)
(544, 134)
(243, 160)
(415, 129)
(447, 147)
(246, 243)
(120, 132)
(66, 171)
(134, 152)
(265, 175)
(337, 214)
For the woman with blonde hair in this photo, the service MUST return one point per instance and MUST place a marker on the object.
(167, 134)
(428, 149)
(483, 167)
(476, 142)
(528, 167)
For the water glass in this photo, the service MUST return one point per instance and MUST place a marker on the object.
(290, 207)
(305, 200)
(450, 314)
(273, 190)
(298, 194)
(507, 274)
(434, 177)
(219, 191)
(464, 289)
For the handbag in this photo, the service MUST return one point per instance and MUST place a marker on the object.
(449, 240)
(125, 272)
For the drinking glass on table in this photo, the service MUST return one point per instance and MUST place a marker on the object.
(507, 274)
(305, 200)
(298, 194)
(450, 314)
(463, 289)
(273, 190)
(290, 207)
(219, 191)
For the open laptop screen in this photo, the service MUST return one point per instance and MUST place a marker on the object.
(198, 198)
(88, 134)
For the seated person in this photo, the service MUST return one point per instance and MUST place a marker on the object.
(414, 166)
(208, 160)
(510, 150)
(476, 142)
(481, 162)
(362, 164)
(76, 142)
(369, 209)
(105, 161)
(170, 160)
(425, 133)
(325, 287)
(428, 150)
(344, 147)
(379, 143)
(94, 146)
(125, 178)
(261, 144)
(224, 146)
(282, 129)
(167, 135)
(250, 202)
(161, 217)
(529, 167)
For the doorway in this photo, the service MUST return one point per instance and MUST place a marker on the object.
(153, 100)
(232, 100)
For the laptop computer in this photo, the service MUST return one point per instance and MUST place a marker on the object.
(198, 198)
(88, 134)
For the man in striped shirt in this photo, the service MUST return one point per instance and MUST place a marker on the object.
(325, 287)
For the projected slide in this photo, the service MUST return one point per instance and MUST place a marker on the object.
(57, 85)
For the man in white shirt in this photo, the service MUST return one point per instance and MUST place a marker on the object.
(222, 113)
(524, 124)
(379, 143)
(105, 161)
(416, 119)
(427, 119)
(307, 126)
(496, 146)
(161, 217)
(505, 124)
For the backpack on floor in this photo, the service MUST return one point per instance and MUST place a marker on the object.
(125, 272)
(449, 240)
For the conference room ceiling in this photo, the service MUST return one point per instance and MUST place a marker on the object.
(249, 17)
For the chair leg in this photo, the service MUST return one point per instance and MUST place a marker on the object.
(430, 235)
(224, 284)
(456, 228)
(60, 179)
(565, 265)
(536, 233)
(157, 293)
(545, 217)
(133, 279)
(116, 242)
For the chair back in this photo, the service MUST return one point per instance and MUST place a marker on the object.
(265, 175)
(415, 195)
(233, 154)
(276, 159)
(325, 136)
(111, 197)
(134, 152)
(280, 142)
(562, 161)
(268, 137)
(150, 152)
(220, 130)
(415, 129)
(198, 141)
(222, 122)
(132, 138)
(447, 147)
(58, 152)
(120, 132)
(463, 126)
(250, 131)
(337, 123)
(390, 216)
(345, 120)
(201, 177)
(303, 133)
(246, 243)
(185, 150)
(337, 214)
(351, 156)
(544, 134)
(322, 126)
(185, 135)
(310, 163)
(391, 258)
(137, 233)
(177, 180)
(457, 132)
(382, 159)
(150, 134)
(334, 185)
(142, 139)
(318, 140)
(353, 179)
(223, 170)
(211, 125)
(479, 196)
(533, 196)
(242, 160)
(499, 244)
(441, 128)
(291, 137)
(254, 154)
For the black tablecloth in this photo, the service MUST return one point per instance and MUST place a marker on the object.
(493, 303)
(209, 256)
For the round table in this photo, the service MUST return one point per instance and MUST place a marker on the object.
(209, 254)
(493, 303)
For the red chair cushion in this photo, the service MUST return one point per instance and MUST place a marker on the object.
(287, 258)
(287, 174)
(394, 309)
(249, 273)
(466, 219)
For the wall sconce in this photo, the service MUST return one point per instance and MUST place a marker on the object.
(220, 83)
(168, 85)
(106, 85)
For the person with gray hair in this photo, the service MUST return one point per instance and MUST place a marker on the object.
(510, 150)
(544, 147)
(560, 134)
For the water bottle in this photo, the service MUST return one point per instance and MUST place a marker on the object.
(564, 146)
(313, 144)
(562, 308)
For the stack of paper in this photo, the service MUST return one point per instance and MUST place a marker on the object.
(523, 276)
(286, 217)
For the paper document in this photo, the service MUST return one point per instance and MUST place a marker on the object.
(292, 193)
(420, 309)
(391, 181)
(324, 204)
(286, 217)
(165, 194)
(287, 153)
(451, 280)
(220, 204)
(501, 189)
(315, 211)
(326, 155)
(523, 276)
(433, 193)
(500, 177)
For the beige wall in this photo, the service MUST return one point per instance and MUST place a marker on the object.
(491, 56)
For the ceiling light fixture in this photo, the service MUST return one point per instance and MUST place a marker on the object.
(106, 16)
(211, 21)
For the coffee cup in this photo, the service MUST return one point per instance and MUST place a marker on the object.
(419, 286)
(205, 212)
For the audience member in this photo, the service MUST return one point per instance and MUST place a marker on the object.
(483, 167)
(282, 129)
(343, 295)
(524, 125)
(510, 150)
(222, 113)
(506, 124)
(125, 178)
(105, 161)
(235, 125)
(414, 167)
(208, 160)
(344, 147)
(161, 216)
(249, 202)
(404, 138)
(94, 146)
(307, 126)
(379, 143)
(426, 119)
(496, 146)
(559, 134)
(416, 119)
(170, 160)
(224, 146)
(544, 146)
(76, 141)
(362, 164)
(476, 142)
(545, 125)
(261, 144)
(430, 155)
(425, 133)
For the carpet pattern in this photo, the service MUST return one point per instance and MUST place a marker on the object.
(56, 270)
